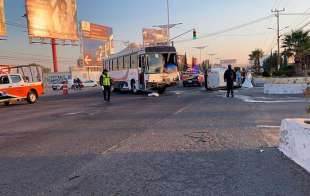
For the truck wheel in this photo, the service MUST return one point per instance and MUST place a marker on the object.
(32, 97)
(7, 103)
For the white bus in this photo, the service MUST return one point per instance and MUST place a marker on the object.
(144, 69)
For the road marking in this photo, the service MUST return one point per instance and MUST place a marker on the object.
(252, 100)
(268, 126)
(72, 113)
(182, 109)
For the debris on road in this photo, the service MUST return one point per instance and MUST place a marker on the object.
(153, 95)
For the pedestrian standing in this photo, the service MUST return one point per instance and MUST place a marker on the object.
(106, 83)
(101, 82)
(230, 78)
(206, 79)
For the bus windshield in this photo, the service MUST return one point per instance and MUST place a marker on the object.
(155, 63)
(159, 63)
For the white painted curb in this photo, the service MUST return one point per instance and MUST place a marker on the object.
(295, 141)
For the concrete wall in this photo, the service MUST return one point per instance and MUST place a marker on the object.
(284, 88)
(286, 85)
(295, 141)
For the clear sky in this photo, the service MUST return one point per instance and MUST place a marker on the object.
(128, 17)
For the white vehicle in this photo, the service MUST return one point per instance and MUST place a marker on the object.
(89, 83)
(59, 85)
(216, 78)
(143, 69)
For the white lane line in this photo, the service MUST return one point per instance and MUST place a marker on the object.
(182, 109)
(267, 126)
(72, 113)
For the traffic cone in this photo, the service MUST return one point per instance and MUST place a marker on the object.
(65, 89)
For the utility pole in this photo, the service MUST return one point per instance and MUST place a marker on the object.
(277, 14)
(168, 26)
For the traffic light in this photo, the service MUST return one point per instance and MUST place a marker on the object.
(194, 34)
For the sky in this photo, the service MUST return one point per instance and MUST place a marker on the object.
(128, 17)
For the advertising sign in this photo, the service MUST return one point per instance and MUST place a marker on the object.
(52, 19)
(94, 51)
(2, 19)
(97, 43)
(95, 31)
(154, 36)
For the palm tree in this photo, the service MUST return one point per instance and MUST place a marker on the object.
(297, 45)
(255, 56)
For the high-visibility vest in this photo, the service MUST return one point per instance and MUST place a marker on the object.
(106, 80)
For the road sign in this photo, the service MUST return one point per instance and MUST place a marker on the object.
(88, 59)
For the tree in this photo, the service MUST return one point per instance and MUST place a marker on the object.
(255, 56)
(270, 64)
(297, 45)
(45, 70)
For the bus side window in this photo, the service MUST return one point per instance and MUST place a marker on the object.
(134, 60)
(127, 62)
(120, 63)
(115, 66)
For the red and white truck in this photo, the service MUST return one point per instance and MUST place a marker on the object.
(19, 83)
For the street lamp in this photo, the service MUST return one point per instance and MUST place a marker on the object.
(211, 56)
(168, 26)
(200, 48)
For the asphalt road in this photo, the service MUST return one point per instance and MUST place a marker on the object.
(186, 142)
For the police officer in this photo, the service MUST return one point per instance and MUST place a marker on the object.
(230, 78)
(105, 81)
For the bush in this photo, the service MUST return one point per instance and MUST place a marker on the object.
(266, 74)
(287, 71)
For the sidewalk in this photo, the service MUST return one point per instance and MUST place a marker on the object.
(51, 92)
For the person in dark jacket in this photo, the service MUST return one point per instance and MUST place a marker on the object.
(230, 78)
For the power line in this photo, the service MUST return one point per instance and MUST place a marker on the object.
(229, 29)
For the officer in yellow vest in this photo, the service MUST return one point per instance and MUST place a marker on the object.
(105, 80)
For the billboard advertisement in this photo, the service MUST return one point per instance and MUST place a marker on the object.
(95, 31)
(154, 36)
(52, 19)
(2, 19)
(97, 43)
(94, 51)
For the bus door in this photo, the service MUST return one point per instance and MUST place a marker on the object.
(142, 68)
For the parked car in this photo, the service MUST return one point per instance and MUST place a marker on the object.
(59, 85)
(90, 83)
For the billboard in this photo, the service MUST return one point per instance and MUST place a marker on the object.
(95, 31)
(52, 19)
(94, 51)
(97, 43)
(154, 36)
(2, 19)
